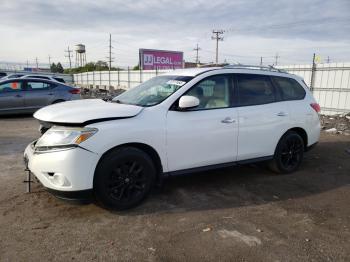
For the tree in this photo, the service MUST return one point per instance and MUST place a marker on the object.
(137, 67)
(59, 68)
(53, 68)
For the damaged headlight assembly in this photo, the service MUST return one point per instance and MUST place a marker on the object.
(63, 138)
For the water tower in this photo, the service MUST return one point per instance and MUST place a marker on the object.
(80, 55)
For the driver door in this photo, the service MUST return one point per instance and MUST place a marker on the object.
(205, 135)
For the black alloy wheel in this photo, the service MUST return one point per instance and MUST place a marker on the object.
(289, 153)
(124, 177)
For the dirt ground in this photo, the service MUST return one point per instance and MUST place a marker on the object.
(234, 214)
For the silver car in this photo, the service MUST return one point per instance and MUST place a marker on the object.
(26, 95)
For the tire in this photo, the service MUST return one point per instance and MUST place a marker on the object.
(123, 178)
(288, 154)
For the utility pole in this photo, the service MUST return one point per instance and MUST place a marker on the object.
(217, 35)
(276, 58)
(110, 60)
(197, 57)
(261, 63)
(69, 57)
(313, 71)
(49, 61)
(27, 64)
(328, 60)
(37, 64)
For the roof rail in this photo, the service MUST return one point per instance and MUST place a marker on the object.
(256, 67)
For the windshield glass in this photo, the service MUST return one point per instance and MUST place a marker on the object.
(153, 91)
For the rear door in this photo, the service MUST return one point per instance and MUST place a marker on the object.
(263, 117)
(38, 93)
(11, 96)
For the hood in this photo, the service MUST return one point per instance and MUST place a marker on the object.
(86, 111)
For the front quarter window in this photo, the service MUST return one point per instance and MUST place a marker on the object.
(153, 91)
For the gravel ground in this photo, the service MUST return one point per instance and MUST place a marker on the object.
(234, 214)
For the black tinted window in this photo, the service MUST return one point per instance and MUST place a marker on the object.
(59, 79)
(254, 90)
(289, 88)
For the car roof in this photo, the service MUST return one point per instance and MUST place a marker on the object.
(30, 78)
(233, 69)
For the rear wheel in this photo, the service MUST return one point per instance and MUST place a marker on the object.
(124, 178)
(289, 153)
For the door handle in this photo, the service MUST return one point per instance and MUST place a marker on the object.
(228, 120)
(282, 114)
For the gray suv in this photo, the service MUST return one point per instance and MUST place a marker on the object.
(27, 95)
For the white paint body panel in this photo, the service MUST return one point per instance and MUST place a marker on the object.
(182, 139)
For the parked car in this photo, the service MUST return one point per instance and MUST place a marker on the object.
(11, 76)
(183, 121)
(47, 77)
(26, 95)
(2, 75)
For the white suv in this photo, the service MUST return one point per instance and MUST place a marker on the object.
(183, 121)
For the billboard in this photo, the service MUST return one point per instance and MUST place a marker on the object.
(151, 59)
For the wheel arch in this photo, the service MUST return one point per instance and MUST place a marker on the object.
(301, 132)
(145, 148)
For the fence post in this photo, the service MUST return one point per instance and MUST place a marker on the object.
(93, 78)
(128, 77)
(100, 80)
(118, 78)
(140, 75)
(313, 72)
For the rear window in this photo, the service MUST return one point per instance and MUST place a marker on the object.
(59, 79)
(289, 88)
(255, 90)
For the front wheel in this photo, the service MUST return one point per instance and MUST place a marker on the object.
(123, 178)
(289, 153)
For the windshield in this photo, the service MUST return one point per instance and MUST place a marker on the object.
(153, 91)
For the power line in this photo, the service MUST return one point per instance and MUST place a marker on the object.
(197, 50)
(217, 35)
(69, 56)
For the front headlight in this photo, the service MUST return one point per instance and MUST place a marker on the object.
(63, 137)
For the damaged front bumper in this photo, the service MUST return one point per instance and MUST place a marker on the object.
(65, 173)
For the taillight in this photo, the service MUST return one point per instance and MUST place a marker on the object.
(316, 107)
(74, 91)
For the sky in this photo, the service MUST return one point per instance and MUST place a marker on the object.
(293, 30)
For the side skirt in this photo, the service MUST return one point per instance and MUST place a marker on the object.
(217, 166)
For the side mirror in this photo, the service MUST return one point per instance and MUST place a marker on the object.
(187, 102)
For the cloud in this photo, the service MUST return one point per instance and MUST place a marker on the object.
(294, 29)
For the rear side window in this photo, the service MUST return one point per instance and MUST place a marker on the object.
(289, 88)
(255, 90)
(36, 85)
(59, 79)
